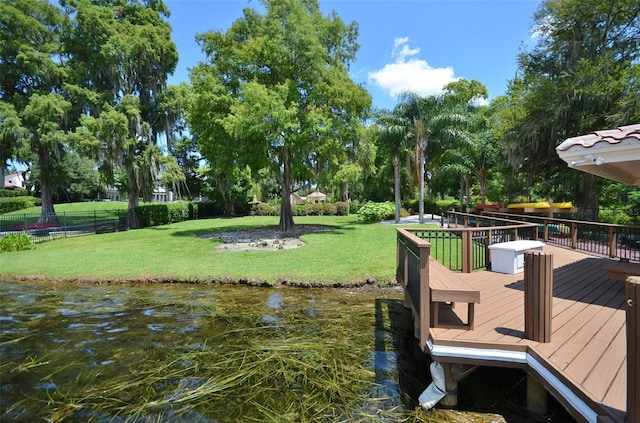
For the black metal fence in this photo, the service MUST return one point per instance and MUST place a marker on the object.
(63, 225)
(464, 244)
(604, 239)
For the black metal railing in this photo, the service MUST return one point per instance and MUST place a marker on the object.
(63, 225)
(603, 239)
(466, 249)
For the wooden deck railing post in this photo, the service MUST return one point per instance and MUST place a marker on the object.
(574, 235)
(538, 295)
(467, 252)
(425, 297)
(545, 235)
(633, 348)
(613, 242)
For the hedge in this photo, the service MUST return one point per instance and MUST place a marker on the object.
(13, 193)
(306, 209)
(11, 204)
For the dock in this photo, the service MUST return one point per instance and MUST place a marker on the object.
(583, 364)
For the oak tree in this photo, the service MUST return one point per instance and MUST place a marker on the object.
(275, 93)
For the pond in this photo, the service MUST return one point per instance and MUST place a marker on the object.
(214, 353)
(204, 353)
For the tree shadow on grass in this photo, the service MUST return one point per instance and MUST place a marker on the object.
(259, 231)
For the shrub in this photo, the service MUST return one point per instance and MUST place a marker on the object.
(163, 213)
(444, 205)
(329, 209)
(354, 207)
(263, 209)
(204, 209)
(13, 193)
(374, 212)
(616, 216)
(430, 206)
(16, 242)
(342, 208)
(11, 204)
(307, 210)
(312, 209)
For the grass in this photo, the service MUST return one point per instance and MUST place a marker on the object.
(86, 206)
(351, 253)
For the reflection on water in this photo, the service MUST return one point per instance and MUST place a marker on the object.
(202, 353)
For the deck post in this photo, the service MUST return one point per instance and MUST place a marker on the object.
(467, 251)
(633, 348)
(538, 295)
(545, 231)
(613, 242)
(453, 373)
(425, 296)
(536, 396)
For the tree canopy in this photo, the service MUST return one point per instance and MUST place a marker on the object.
(581, 76)
(275, 93)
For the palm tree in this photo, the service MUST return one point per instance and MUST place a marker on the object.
(392, 139)
(436, 125)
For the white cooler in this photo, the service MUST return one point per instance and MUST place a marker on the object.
(508, 257)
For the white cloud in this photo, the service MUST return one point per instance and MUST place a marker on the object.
(409, 73)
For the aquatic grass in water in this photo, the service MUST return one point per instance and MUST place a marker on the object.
(207, 353)
(196, 353)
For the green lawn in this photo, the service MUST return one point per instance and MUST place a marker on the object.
(85, 206)
(351, 253)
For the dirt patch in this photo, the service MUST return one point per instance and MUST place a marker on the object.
(268, 238)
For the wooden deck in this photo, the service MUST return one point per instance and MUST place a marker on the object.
(584, 365)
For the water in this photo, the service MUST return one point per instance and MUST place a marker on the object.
(204, 353)
(210, 353)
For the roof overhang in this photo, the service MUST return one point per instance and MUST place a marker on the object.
(613, 154)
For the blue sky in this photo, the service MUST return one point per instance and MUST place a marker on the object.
(413, 44)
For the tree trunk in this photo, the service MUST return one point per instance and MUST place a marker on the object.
(132, 218)
(48, 214)
(482, 176)
(286, 216)
(422, 147)
(461, 193)
(410, 178)
(421, 193)
(467, 191)
(396, 186)
(590, 201)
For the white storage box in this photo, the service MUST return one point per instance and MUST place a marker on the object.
(508, 257)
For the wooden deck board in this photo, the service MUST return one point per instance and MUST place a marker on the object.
(588, 342)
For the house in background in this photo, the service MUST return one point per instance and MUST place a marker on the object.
(16, 180)
(315, 197)
(160, 195)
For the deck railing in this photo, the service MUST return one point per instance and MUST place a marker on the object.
(413, 274)
(413, 270)
(466, 249)
(63, 225)
(605, 239)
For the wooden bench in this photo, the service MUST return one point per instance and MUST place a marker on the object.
(446, 287)
(622, 270)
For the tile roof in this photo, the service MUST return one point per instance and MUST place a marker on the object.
(611, 136)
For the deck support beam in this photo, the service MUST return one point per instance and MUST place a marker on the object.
(633, 348)
(454, 373)
(536, 396)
